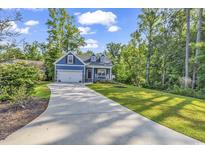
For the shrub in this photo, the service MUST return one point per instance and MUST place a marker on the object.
(17, 81)
(187, 92)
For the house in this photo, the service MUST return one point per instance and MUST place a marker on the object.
(82, 68)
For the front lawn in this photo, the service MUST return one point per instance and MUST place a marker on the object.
(183, 114)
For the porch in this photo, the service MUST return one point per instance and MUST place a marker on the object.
(98, 74)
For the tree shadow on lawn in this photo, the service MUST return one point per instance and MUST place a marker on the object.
(164, 110)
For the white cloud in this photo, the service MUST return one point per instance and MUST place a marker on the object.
(113, 29)
(91, 43)
(23, 30)
(97, 17)
(77, 13)
(31, 23)
(14, 27)
(85, 30)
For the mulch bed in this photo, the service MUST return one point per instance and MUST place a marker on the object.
(13, 117)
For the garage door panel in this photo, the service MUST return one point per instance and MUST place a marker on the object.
(69, 76)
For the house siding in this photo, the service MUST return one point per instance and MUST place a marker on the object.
(76, 61)
(69, 67)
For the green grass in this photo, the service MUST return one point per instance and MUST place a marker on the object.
(183, 114)
(41, 91)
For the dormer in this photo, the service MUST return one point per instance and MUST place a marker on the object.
(93, 58)
(102, 58)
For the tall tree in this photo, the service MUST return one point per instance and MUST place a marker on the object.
(187, 48)
(198, 40)
(63, 36)
(113, 49)
(33, 51)
(149, 20)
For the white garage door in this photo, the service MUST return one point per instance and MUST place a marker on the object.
(69, 76)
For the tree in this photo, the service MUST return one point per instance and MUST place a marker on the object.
(149, 21)
(159, 48)
(11, 53)
(187, 48)
(113, 49)
(63, 36)
(33, 51)
(198, 40)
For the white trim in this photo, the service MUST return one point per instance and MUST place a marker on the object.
(93, 74)
(66, 55)
(60, 58)
(67, 65)
(93, 66)
(70, 70)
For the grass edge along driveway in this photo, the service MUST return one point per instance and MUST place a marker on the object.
(182, 114)
(41, 90)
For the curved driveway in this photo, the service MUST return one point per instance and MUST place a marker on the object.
(78, 115)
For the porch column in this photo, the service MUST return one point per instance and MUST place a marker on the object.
(93, 74)
(111, 73)
(84, 74)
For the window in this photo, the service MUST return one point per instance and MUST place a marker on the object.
(93, 59)
(70, 59)
(102, 59)
(101, 72)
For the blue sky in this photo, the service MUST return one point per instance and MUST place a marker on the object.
(98, 26)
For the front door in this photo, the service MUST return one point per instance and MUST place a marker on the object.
(89, 73)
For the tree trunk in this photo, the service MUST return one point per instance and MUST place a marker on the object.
(150, 48)
(187, 47)
(198, 39)
(163, 70)
(148, 68)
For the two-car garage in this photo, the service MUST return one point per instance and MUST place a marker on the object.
(69, 75)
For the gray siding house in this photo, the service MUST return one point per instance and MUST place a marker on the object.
(82, 68)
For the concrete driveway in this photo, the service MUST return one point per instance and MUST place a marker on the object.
(78, 115)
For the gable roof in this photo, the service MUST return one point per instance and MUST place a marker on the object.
(66, 55)
(86, 58)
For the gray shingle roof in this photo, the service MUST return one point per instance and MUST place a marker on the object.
(86, 59)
